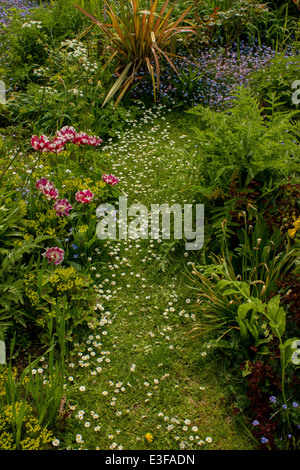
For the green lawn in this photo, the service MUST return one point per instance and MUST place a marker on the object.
(140, 371)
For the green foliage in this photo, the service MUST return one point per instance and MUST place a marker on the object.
(231, 22)
(14, 253)
(26, 41)
(47, 292)
(243, 142)
(241, 170)
(228, 21)
(32, 401)
(30, 288)
(95, 7)
(10, 216)
(234, 312)
(68, 89)
(278, 78)
(279, 29)
(20, 430)
(138, 40)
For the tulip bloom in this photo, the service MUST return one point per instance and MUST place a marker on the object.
(110, 179)
(54, 254)
(62, 207)
(47, 188)
(64, 135)
(39, 143)
(84, 196)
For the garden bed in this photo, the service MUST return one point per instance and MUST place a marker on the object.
(141, 343)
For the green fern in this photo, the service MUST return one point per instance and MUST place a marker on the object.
(243, 139)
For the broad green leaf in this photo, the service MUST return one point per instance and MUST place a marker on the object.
(243, 309)
(117, 85)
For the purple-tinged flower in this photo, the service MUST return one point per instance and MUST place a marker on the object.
(47, 188)
(264, 440)
(84, 196)
(255, 423)
(67, 132)
(62, 207)
(272, 399)
(54, 254)
(110, 179)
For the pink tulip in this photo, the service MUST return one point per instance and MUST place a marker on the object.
(84, 196)
(67, 132)
(47, 188)
(39, 143)
(54, 254)
(110, 179)
(62, 207)
(64, 135)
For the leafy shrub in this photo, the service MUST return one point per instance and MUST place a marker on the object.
(26, 41)
(252, 270)
(31, 401)
(14, 253)
(276, 78)
(231, 22)
(138, 39)
(250, 328)
(45, 291)
(68, 89)
(241, 141)
(245, 307)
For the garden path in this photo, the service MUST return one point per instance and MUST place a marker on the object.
(140, 371)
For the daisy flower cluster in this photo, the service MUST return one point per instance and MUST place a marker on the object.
(130, 390)
(184, 431)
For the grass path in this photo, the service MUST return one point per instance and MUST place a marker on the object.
(139, 371)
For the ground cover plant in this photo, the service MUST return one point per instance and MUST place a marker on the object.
(140, 343)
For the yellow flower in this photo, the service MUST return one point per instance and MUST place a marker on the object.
(292, 231)
(149, 437)
(6, 441)
(23, 208)
(34, 437)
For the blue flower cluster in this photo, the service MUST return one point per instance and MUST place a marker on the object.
(284, 406)
(208, 77)
(24, 7)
